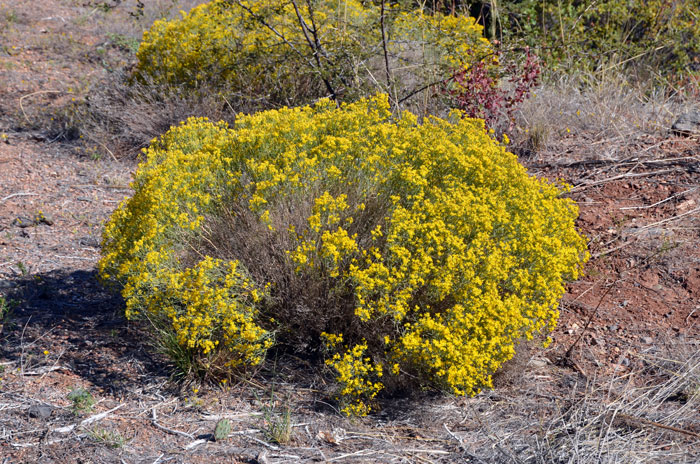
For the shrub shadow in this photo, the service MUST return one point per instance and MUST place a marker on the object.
(81, 325)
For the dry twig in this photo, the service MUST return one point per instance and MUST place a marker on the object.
(88, 421)
(21, 106)
(166, 429)
(18, 194)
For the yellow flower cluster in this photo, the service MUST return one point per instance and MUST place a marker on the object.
(290, 54)
(210, 306)
(358, 375)
(433, 248)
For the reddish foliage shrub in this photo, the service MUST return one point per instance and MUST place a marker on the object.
(479, 93)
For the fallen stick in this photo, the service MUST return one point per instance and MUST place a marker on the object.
(21, 106)
(89, 420)
(660, 202)
(45, 370)
(363, 452)
(165, 429)
(264, 443)
(585, 185)
(429, 451)
(171, 431)
(635, 421)
(50, 442)
(673, 218)
(19, 194)
(217, 417)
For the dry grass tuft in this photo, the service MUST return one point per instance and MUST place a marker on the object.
(618, 422)
(623, 419)
(123, 118)
(602, 118)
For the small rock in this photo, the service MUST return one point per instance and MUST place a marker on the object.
(687, 124)
(23, 221)
(573, 329)
(612, 328)
(539, 362)
(88, 241)
(647, 340)
(41, 411)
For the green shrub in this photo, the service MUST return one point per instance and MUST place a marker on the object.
(82, 400)
(405, 254)
(264, 53)
(651, 36)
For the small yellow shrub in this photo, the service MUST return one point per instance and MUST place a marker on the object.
(410, 253)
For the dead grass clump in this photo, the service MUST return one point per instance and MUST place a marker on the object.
(122, 119)
(643, 416)
(617, 421)
(599, 117)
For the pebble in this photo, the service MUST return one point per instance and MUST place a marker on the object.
(539, 362)
(41, 411)
(687, 124)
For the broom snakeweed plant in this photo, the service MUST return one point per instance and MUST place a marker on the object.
(407, 254)
(261, 53)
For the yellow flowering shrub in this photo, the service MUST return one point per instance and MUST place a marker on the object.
(409, 253)
(265, 53)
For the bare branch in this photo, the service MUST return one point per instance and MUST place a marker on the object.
(386, 53)
(315, 45)
(316, 50)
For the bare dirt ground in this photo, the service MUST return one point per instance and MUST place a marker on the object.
(619, 383)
